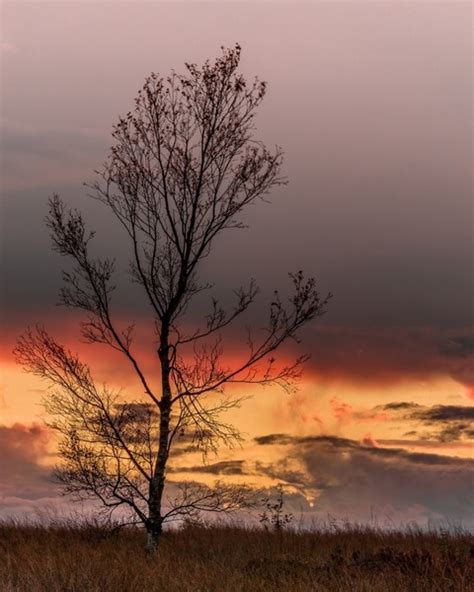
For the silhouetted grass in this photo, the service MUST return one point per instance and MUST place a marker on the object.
(67, 557)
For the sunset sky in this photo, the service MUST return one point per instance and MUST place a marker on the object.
(372, 105)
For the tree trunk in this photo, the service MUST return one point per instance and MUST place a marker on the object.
(154, 530)
(157, 483)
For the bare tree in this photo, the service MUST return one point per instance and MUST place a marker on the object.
(183, 167)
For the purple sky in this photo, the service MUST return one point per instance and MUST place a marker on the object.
(371, 102)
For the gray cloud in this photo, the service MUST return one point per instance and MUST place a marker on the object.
(274, 439)
(35, 156)
(398, 406)
(225, 467)
(458, 346)
(442, 413)
(337, 443)
(422, 442)
(450, 422)
(352, 481)
(23, 476)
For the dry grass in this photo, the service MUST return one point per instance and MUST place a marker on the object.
(85, 559)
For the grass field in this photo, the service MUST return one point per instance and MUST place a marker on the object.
(218, 559)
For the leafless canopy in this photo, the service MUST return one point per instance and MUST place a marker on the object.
(183, 167)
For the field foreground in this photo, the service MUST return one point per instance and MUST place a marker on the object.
(204, 559)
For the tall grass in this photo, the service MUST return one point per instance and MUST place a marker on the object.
(64, 556)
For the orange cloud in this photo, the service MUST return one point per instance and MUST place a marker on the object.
(346, 414)
(343, 412)
(361, 356)
(369, 440)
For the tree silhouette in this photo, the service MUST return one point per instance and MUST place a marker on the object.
(183, 166)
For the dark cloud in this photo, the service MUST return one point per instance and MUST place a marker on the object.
(460, 346)
(23, 449)
(457, 431)
(398, 406)
(389, 354)
(451, 422)
(282, 471)
(448, 423)
(442, 413)
(274, 439)
(229, 467)
(422, 458)
(351, 480)
(335, 442)
(421, 443)
(284, 439)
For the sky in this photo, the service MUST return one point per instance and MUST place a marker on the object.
(372, 105)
